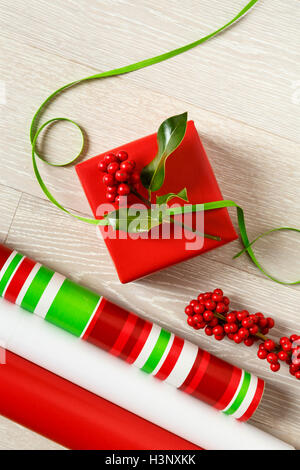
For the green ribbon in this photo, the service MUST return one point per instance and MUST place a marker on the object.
(35, 131)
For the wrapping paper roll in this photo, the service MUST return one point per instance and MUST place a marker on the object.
(72, 416)
(154, 350)
(112, 379)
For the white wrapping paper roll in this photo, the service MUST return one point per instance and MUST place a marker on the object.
(89, 367)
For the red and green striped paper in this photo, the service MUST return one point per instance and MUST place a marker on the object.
(153, 349)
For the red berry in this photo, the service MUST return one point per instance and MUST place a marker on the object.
(227, 328)
(237, 339)
(275, 367)
(269, 345)
(284, 340)
(259, 315)
(193, 303)
(123, 189)
(121, 176)
(102, 166)
(226, 301)
(218, 330)
(201, 299)
(219, 337)
(231, 317)
(122, 155)
(272, 358)
(112, 189)
(263, 322)
(127, 166)
(287, 346)
(294, 338)
(208, 331)
(189, 310)
(262, 353)
(113, 168)
(118, 199)
(110, 158)
(231, 336)
(197, 326)
(233, 327)
(243, 333)
(190, 321)
(249, 342)
(199, 308)
(282, 355)
(198, 318)
(220, 308)
(109, 180)
(297, 375)
(207, 315)
(216, 298)
(207, 296)
(271, 322)
(214, 322)
(110, 197)
(247, 322)
(254, 330)
(264, 331)
(218, 292)
(210, 305)
(242, 315)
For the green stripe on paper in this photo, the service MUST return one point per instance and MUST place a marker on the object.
(157, 352)
(36, 288)
(241, 395)
(8, 273)
(72, 307)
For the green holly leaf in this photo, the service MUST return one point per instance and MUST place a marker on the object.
(167, 197)
(169, 137)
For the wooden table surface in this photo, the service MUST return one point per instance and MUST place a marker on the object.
(243, 91)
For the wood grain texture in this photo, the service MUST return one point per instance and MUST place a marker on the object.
(240, 89)
(248, 73)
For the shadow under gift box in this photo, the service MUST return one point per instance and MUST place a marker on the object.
(187, 167)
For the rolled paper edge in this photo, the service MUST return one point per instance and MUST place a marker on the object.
(151, 349)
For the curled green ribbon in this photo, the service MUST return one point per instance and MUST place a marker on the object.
(35, 132)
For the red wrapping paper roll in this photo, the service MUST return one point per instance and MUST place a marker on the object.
(147, 346)
(72, 416)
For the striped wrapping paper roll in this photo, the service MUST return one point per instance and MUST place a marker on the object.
(154, 350)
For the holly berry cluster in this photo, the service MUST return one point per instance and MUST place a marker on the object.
(120, 177)
(211, 312)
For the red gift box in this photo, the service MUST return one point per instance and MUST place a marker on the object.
(188, 167)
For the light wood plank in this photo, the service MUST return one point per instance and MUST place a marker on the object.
(73, 249)
(16, 437)
(248, 73)
(9, 199)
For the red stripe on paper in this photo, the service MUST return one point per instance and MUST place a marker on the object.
(132, 339)
(193, 371)
(108, 326)
(215, 381)
(124, 335)
(140, 342)
(201, 370)
(231, 389)
(19, 279)
(94, 319)
(4, 255)
(171, 359)
(255, 402)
